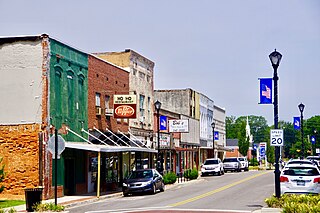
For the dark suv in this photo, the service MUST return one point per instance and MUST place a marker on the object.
(231, 164)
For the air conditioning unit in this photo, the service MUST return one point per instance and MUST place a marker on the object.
(109, 112)
(98, 111)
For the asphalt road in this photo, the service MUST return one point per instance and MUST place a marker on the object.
(232, 192)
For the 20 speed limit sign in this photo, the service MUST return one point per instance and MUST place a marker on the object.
(276, 137)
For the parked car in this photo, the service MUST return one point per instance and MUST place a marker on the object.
(299, 162)
(143, 181)
(231, 164)
(315, 159)
(300, 179)
(212, 166)
(244, 163)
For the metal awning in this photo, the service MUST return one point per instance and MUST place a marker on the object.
(104, 148)
(89, 146)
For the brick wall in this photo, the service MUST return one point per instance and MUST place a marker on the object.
(105, 79)
(19, 147)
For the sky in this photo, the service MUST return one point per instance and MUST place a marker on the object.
(217, 48)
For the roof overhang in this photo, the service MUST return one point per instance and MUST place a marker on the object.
(103, 148)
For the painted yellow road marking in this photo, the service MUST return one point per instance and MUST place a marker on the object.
(216, 190)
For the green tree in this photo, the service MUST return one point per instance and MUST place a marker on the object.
(231, 131)
(2, 175)
(243, 142)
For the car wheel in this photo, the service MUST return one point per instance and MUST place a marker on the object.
(125, 194)
(162, 187)
(153, 189)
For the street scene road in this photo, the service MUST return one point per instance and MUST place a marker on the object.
(233, 192)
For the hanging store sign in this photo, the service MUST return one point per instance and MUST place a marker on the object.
(125, 106)
(179, 126)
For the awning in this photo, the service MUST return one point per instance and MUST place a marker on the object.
(89, 146)
(104, 148)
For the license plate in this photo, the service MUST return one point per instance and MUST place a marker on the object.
(301, 183)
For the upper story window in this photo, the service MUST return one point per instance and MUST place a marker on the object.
(148, 78)
(106, 101)
(134, 71)
(141, 105)
(142, 75)
(98, 99)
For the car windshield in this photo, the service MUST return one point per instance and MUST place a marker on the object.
(209, 162)
(299, 162)
(301, 171)
(140, 174)
(241, 159)
(230, 160)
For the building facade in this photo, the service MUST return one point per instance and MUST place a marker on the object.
(219, 115)
(206, 131)
(141, 84)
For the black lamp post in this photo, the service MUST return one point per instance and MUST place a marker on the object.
(157, 106)
(301, 108)
(213, 125)
(275, 58)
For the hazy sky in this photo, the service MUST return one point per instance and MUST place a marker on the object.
(218, 48)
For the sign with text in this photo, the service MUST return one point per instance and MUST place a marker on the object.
(179, 126)
(125, 106)
(276, 137)
(262, 150)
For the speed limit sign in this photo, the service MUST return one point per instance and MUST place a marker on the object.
(276, 137)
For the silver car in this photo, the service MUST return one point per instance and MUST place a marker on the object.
(300, 179)
(232, 164)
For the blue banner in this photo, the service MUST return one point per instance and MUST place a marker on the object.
(216, 135)
(265, 90)
(296, 123)
(163, 122)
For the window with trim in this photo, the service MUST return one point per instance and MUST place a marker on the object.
(142, 75)
(106, 101)
(134, 71)
(141, 106)
(98, 99)
(149, 110)
(70, 80)
(81, 101)
(58, 91)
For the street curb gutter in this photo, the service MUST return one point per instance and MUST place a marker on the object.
(70, 204)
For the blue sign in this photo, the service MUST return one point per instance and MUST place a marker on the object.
(265, 90)
(254, 146)
(313, 139)
(296, 123)
(163, 122)
(262, 151)
(216, 135)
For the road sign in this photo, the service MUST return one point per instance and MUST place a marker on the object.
(313, 139)
(276, 137)
(51, 145)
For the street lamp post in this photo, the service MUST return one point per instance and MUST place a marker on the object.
(301, 108)
(157, 106)
(213, 124)
(275, 58)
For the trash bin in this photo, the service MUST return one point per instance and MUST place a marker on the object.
(33, 196)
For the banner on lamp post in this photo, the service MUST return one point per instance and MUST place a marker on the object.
(265, 91)
(296, 123)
